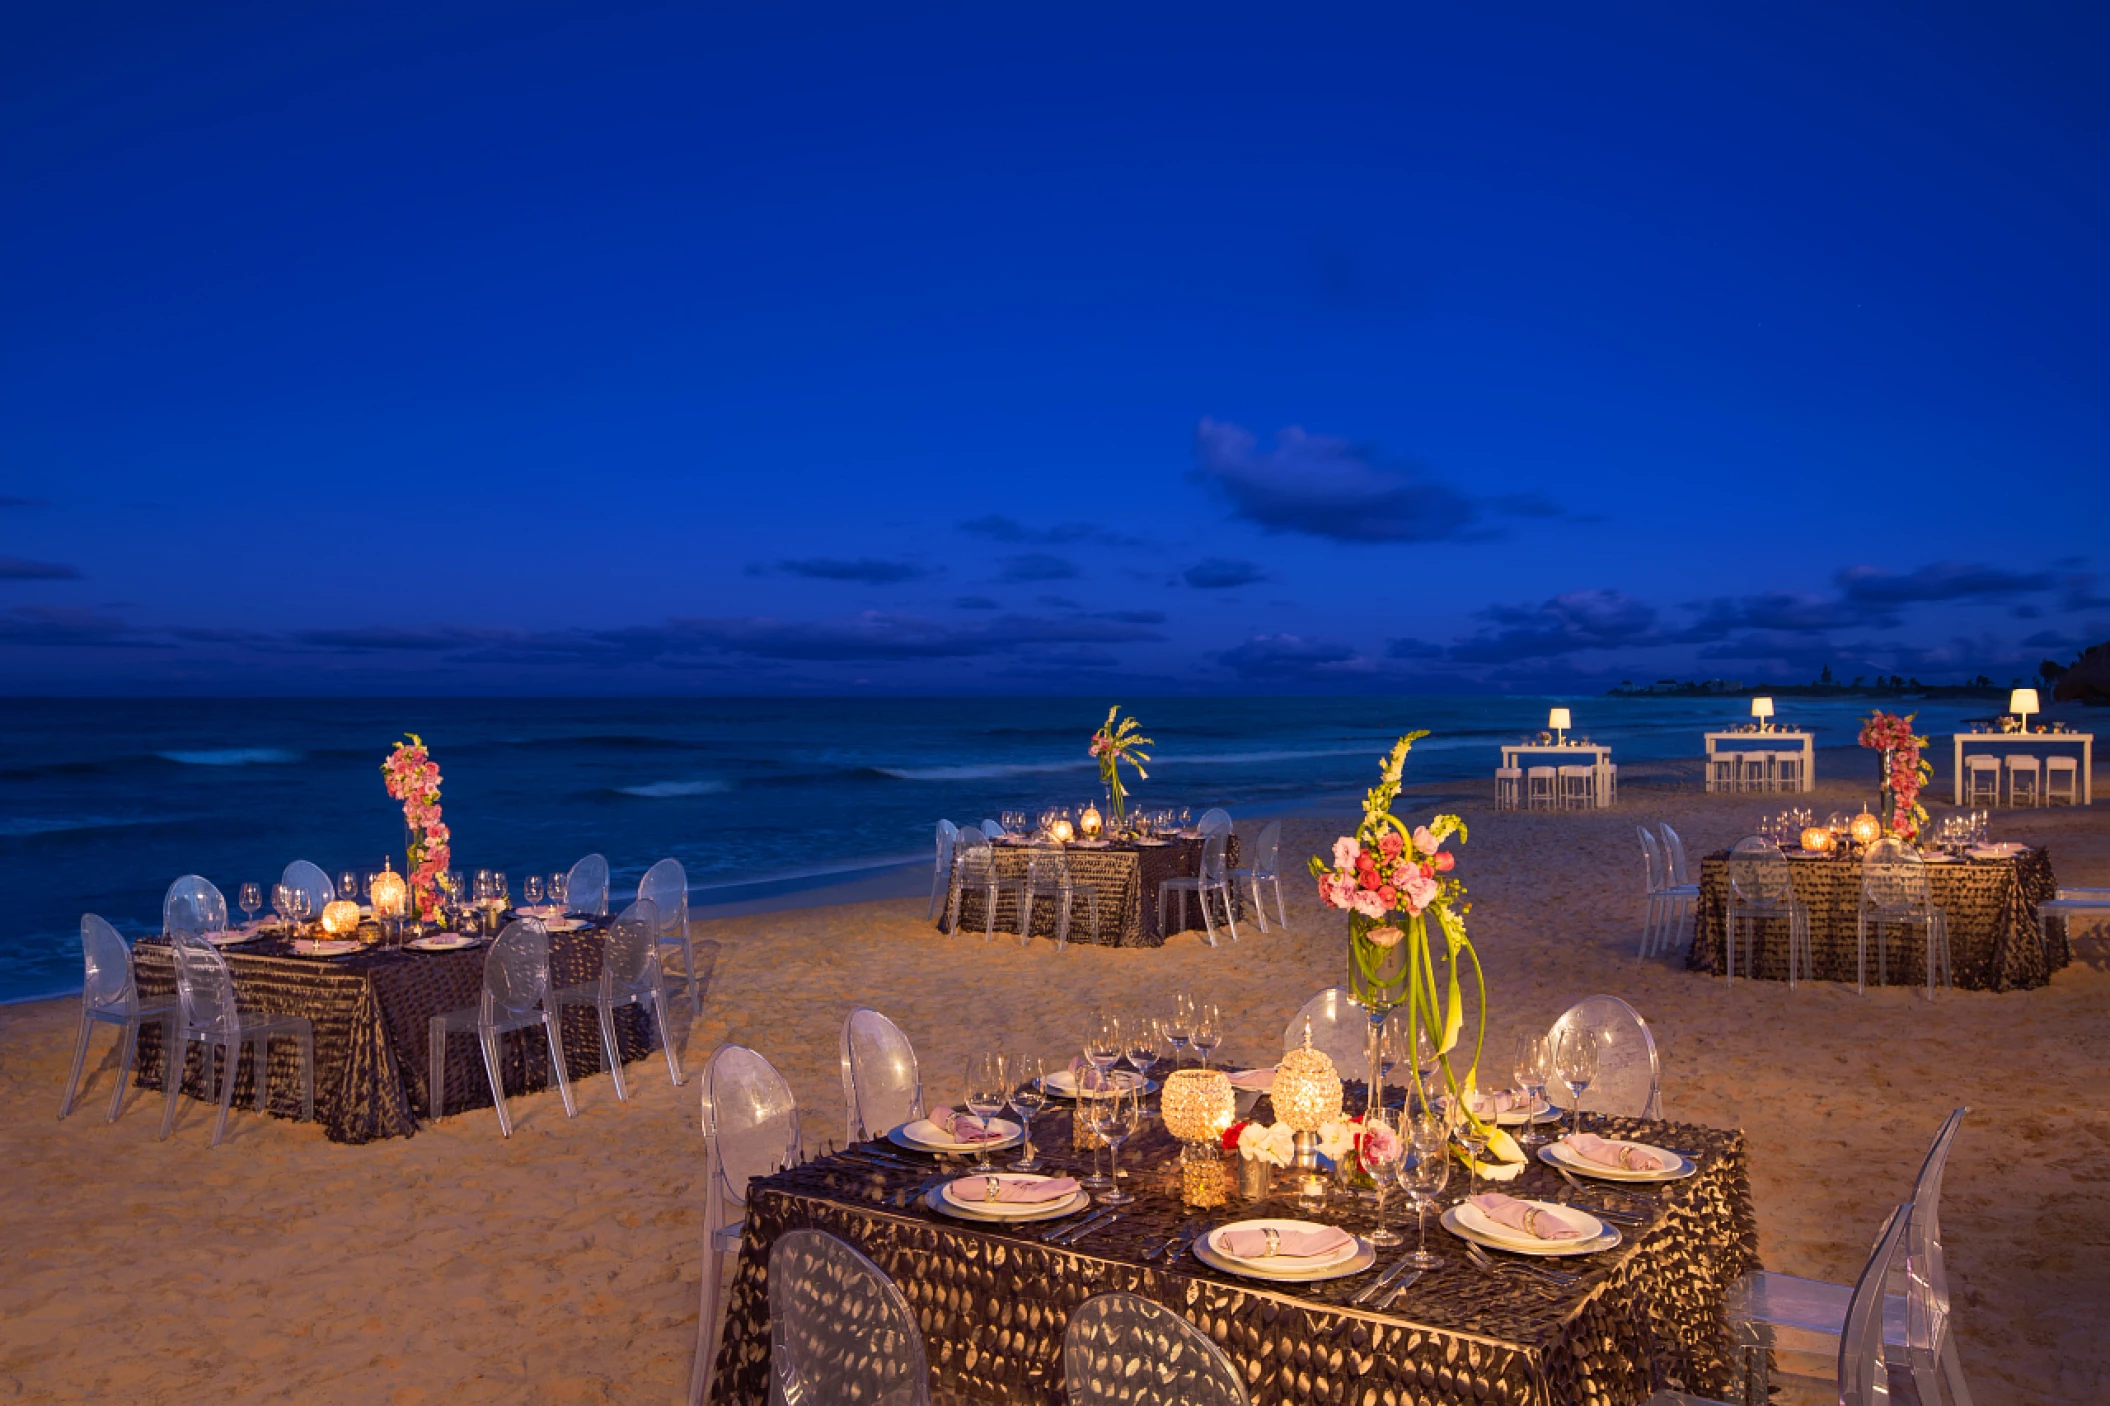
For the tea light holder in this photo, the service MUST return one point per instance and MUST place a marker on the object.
(1307, 1096)
(340, 918)
(1062, 832)
(1091, 822)
(1865, 829)
(1817, 840)
(1197, 1105)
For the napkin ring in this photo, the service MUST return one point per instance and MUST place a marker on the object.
(1531, 1221)
(990, 1187)
(1274, 1242)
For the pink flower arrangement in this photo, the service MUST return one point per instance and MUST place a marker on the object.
(413, 778)
(1909, 771)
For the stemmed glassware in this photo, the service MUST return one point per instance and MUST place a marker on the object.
(1532, 1069)
(982, 1090)
(1140, 1044)
(282, 904)
(1424, 1170)
(1380, 1152)
(560, 892)
(1575, 1061)
(1186, 818)
(1103, 1045)
(348, 886)
(1028, 1096)
(531, 889)
(1208, 1031)
(1115, 1117)
(251, 899)
(501, 891)
(1179, 1026)
(1471, 1133)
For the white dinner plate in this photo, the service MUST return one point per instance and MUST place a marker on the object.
(1152, 843)
(1559, 1154)
(2006, 850)
(1063, 1084)
(923, 1136)
(1454, 1222)
(330, 948)
(1515, 1117)
(562, 924)
(233, 937)
(444, 942)
(1365, 1256)
(1340, 1255)
(973, 1204)
(945, 1206)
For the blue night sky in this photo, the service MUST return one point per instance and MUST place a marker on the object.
(643, 349)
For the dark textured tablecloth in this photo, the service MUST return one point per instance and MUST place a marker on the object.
(370, 1012)
(993, 1302)
(1995, 940)
(1126, 877)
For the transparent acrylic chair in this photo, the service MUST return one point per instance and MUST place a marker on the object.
(839, 1329)
(1674, 859)
(1653, 885)
(1214, 821)
(1340, 1029)
(193, 904)
(667, 885)
(1048, 875)
(109, 996)
(1213, 878)
(1780, 1313)
(1629, 1080)
(750, 1129)
(630, 976)
(310, 880)
(208, 1015)
(586, 887)
(974, 871)
(516, 997)
(941, 870)
(992, 830)
(882, 1087)
(1122, 1350)
(1894, 893)
(1265, 869)
(1762, 889)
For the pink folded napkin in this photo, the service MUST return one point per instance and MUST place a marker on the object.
(979, 1188)
(962, 1127)
(1607, 1153)
(1493, 1103)
(1544, 1222)
(1088, 1076)
(1262, 1079)
(1251, 1242)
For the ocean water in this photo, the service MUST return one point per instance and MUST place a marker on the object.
(103, 802)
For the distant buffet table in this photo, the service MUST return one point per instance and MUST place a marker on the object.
(1727, 750)
(2001, 744)
(1559, 754)
(1125, 874)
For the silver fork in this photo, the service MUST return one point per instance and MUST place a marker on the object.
(1606, 1191)
(1547, 1278)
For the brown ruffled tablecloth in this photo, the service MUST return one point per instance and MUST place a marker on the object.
(370, 1012)
(1995, 940)
(1126, 876)
(993, 1302)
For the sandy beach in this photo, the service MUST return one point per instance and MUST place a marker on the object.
(562, 1264)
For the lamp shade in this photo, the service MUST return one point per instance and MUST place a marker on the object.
(1761, 707)
(1559, 720)
(1307, 1091)
(2024, 700)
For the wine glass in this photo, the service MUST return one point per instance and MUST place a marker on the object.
(1424, 1170)
(1471, 1133)
(1023, 1073)
(1179, 1026)
(1115, 1117)
(1208, 1031)
(348, 886)
(282, 905)
(251, 899)
(982, 1090)
(1140, 1044)
(1379, 1152)
(483, 885)
(1532, 1067)
(1186, 818)
(1575, 1061)
(501, 891)
(559, 891)
(1103, 1045)
(531, 889)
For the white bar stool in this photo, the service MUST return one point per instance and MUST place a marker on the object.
(1721, 772)
(1611, 783)
(1578, 787)
(1508, 782)
(2021, 767)
(2070, 769)
(1981, 779)
(1754, 771)
(1541, 788)
(1787, 771)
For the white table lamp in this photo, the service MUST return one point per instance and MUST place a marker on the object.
(1762, 709)
(2022, 702)
(1560, 722)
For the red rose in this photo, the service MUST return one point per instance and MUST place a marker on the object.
(1428, 871)
(1230, 1138)
(1389, 894)
(1445, 861)
(1369, 879)
(1365, 863)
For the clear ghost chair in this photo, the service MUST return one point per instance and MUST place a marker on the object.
(974, 871)
(1629, 1079)
(1213, 878)
(1674, 855)
(1265, 868)
(586, 887)
(882, 1087)
(839, 1329)
(992, 830)
(1894, 892)
(630, 976)
(1121, 1350)
(309, 879)
(1772, 1313)
(1048, 875)
(193, 904)
(210, 1016)
(109, 996)
(941, 871)
(1214, 821)
(667, 885)
(1338, 1027)
(1762, 889)
(1670, 898)
(516, 992)
(750, 1129)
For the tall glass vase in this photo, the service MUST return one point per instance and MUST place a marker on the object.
(1886, 799)
(1377, 981)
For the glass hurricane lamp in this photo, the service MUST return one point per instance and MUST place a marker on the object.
(1816, 839)
(1307, 1096)
(1062, 832)
(1091, 822)
(1865, 829)
(340, 918)
(1197, 1105)
(388, 892)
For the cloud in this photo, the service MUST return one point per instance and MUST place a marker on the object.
(9, 500)
(2051, 639)
(1938, 581)
(1777, 610)
(2079, 594)
(973, 603)
(869, 570)
(1058, 603)
(1326, 487)
(1292, 657)
(874, 635)
(1039, 566)
(1411, 648)
(68, 626)
(1132, 617)
(1222, 573)
(1572, 621)
(23, 569)
(998, 528)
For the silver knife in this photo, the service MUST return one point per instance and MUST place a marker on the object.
(1400, 1288)
(1372, 1289)
(1070, 1223)
(1092, 1228)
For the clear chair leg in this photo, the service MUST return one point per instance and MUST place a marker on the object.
(225, 1097)
(606, 1012)
(127, 1046)
(173, 1057)
(80, 1057)
(493, 1071)
(556, 1061)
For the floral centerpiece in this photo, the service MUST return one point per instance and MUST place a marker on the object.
(1111, 746)
(1905, 770)
(413, 778)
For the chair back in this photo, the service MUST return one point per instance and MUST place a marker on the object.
(1927, 1305)
(107, 984)
(667, 885)
(516, 971)
(750, 1122)
(1651, 858)
(1339, 1027)
(632, 947)
(1864, 1375)
(1674, 858)
(193, 904)
(948, 836)
(1047, 870)
(1213, 843)
(204, 988)
(1629, 1079)
(586, 887)
(882, 1086)
(1214, 820)
(991, 830)
(310, 880)
(1894, 877)
(1124, 1349)
(1267, 850)
(839, 1328)
(1758, 873)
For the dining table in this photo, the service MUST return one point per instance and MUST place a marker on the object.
(370, 1010)
(1125, 873)
(992, 1298)
(1989, 899)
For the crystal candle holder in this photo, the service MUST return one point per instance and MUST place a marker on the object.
(1197, 1105)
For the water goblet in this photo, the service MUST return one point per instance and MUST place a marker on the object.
(1208, 1031)
(559, 890)
(348, 886)
(483, 885)
(1140, 1044)
(1081, 1116)
(251, 899)
(501, 891)
(1179, 1026)
(983, 1092)
(1423, 1171)
(1532, 1068)
(1575, 1061)
(1186, 818)
(1115, 1117)
(1471, 1134)
(1379, 1152)
(1028, 1096)
(1103, 1045)
(531, 890)
(282, 905)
